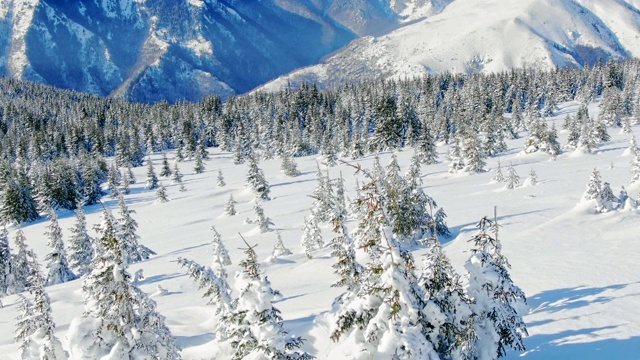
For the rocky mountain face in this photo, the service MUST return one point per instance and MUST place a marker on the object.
(151, 50)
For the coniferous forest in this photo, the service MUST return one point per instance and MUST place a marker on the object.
(63, 150)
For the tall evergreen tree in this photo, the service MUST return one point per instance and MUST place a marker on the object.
(165, 171)
(6, 263)
(21, 267)
(126, 228)
(220, 253)
(80, 245)
(152, 178)
(256, 179)
(255, 329)
(119, 321)
(495, 297)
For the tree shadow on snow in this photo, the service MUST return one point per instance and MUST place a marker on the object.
(571, 298)
(562, 346)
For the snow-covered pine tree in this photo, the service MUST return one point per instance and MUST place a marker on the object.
(311, 236)
(495, 297)
(513, 179)
(215, 283)
(120, 321)
(57, 261)
(594, 186)
(256, 179)
(6, 263)
(383, 316)
(289, 166)
(114, 179)
(255, 327)
(165, 171)
(261, 220)
(80, 244)
(346, 266)
(126, 228)
(176, 176)
(446, 305)
(426, 150)
(220, 253)
(152, 178)
(322, 195)
(230, 206)
(474, 156)
(35, 327)
(220, 179)
(456, 161)
(607, 200)
(532, 180)
(199, 166)
(129, 174)
(634, 169)
(498, 177)
(20, 264)
(161, 194)
(279, 249)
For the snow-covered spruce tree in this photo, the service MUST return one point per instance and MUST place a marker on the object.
(532, 180)
(456, 161)
(289, 166)
(425, 149)
(57, 261)
(473, 154)
(220, 253)
(120, 321)
(322, 195)
(256, 179)
(220, 179)
(230, 206)
(152, 178)
(594, 186)
(161, 194)
(446, 305)
(495, 298)
(383, 317)
(215, 283)
(165, 171)
(513, 179)
(125, 188)
(129, 174)
(498, 177)
(255, 327)
(279, 249)
(607, 200)
(346, 267)
(634, 169)
(114, 179)
(6, 263)
(261, 220)
(126, 228)
(311, 236)
(20, 265)
(198, 166)
(176, 176)
(17, 204)
(80, 245)
(35, 326)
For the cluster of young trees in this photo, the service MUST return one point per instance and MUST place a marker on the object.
(53, 142)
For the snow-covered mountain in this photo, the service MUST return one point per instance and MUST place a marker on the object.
(149, 50)
(487, 35)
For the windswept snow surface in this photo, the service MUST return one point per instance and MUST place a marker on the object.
(580, 270)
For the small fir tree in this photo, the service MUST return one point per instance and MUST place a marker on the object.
(230, 206)
(513, 179)
(217, 288)
(261, 220)
(198, 163)
(165, 171)
(220, 253)
(532, 180)
(176, 176)
(311, 237)
(497, 176)
(57, 261)
(220, 179)
(279, 249)
(289, 166)
(152, 178)
(161, 194)
(256, 179)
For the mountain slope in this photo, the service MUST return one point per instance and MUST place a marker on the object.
(490, 35)
(168, 50)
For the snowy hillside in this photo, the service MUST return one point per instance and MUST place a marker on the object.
(578, 269)
(470, 36)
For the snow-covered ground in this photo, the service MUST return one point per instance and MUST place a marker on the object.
(580, 271)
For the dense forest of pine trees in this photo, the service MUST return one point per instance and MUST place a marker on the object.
(54, 147)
